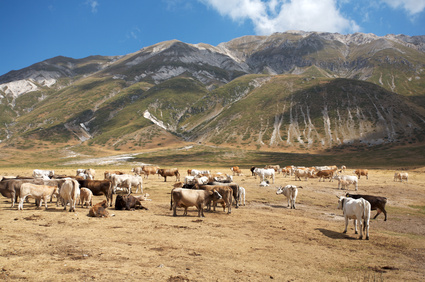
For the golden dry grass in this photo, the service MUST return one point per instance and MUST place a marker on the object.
(260, 241)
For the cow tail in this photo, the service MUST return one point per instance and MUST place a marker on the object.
(171, 201)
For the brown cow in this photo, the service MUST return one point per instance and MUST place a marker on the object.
(99, 210)
(376, 203)
(236, 170)
(185, 198)
(169, 172)
(360, 172)
(325, 174)
(99, 187)
(148, 169)
(225, 192)
(128, 202)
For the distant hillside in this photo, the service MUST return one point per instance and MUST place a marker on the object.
(295, 90)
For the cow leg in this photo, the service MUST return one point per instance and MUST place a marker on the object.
(21, 203)
(45, 202)
(174, 209)
(346, 225)
(355, 226)
(361, 229)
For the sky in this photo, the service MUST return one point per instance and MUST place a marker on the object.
(32, 31)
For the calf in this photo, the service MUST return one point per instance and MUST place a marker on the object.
(358, 210)
(39, 192)
(346, 180)
(376, 203)
(290, 192)
(99, 210)
(185, 198)
(99, 187)
(86, 197)
(236, 170)
(128, 202)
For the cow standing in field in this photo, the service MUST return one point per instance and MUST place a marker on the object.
(360, 172)
(358, 210)
(401, 176)
(265, 173)
(38, 192)
(290, 192)
(69, 193)
(99, 187)
(86, 197)
(185, 198)
(376, 203)
(45, 174)
(169, 172)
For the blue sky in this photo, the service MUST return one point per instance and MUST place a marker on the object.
(35, 30)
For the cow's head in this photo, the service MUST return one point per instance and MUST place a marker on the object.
(341, 202)
(279, 190)
(216, 195)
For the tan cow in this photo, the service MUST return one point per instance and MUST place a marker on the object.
(185, 198)
(169, 172)
(39, 192)
(325, 174)
(86, 197)
(400, 176)
(99, 210)
(236, 170)
(226, 195)
(69, 193)
(149, 169)
(360, 172)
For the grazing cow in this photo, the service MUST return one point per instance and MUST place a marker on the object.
(108, 174)
(127, 181)
(347, 179)
(290, 192)
(275, 167)
(400, 176)
(169, 172)
(236, 170)
(358, 210)
(325, 174)
(86, 197)
(185, 198)
(128, 202)
(38, 192)
(360, 172)
(99, 210)
(376, 203)
(69, 193)
(241, 197)
(149, 169)
(99, 187)
(302, 173)
(264, 173)
(45, 174)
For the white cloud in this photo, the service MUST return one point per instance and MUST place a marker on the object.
(412, 7)
(93, 4)
(280, 15)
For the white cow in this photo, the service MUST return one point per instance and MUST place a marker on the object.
(347, 180)
(302, 173)
(69, 193)
(196, 172)
(45, 174)
(290, 192)
(86, 197)
(400, 176)
(126, 181)
(357, 209)
(241, 195)
(264, 173)
(39, 192)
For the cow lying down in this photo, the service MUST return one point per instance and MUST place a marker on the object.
(99, 210)
(128, 202)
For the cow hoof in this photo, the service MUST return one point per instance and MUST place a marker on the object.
(356, 232)
(367, 238)
(361, 237)
(345, 231)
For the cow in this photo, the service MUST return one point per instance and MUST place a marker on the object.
(400, 176)
(325, 174)
(264, 173)
(108, 174)
(348, 179)
(91, 173)
(290, 192)
(376, 203)
(358, 210)
(252, 171)
(128, 202)
(302, 173)
(127, 181)
(235, 188)
(198, 173)
(45, 174)
(10, 188)
(99, 210)
(69, 193)
(99, 187)
(38, 192)
(236, 170)
(275, 167)
(360, 172)
(169, 172)
(86, 197)
(149, 169)
(225, 192)
(241, 197)
(185, 198)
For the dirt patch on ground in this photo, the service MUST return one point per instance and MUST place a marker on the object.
(263, 240)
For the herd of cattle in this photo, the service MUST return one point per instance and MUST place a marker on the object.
(199, 189)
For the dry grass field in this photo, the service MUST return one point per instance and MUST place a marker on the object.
(261, 241)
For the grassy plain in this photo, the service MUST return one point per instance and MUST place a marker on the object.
(260, 241)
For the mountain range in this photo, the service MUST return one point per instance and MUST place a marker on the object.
(287, 91)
